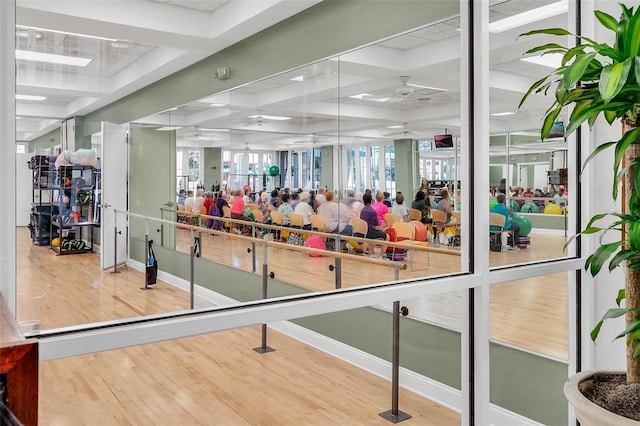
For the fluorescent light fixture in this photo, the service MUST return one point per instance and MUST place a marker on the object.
(395, 127)
(379, 99)
(361, 96)
(502, 114)
(270, 117)
(551, 60)
(168, 128)
(67, 33)
(30, 98)
(218, 105)
(119, 44)
(298, 78)
(18, 118)
(52, 59)
(529, 16)
(25, 34)
(206, 129)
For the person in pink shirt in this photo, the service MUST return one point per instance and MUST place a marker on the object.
(380, 207)
(237, 207)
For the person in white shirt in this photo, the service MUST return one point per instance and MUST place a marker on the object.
(189, 201)
(321, 195)
(400, 209)
(198, 201)
(303, 208)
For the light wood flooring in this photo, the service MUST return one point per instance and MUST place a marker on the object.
(215, 379)
(219, 379)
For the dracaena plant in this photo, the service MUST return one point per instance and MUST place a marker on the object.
(598, 79)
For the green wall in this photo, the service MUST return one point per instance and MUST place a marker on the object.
(46, 141)
(326, 155)
(152, 183)
(405, 163)
(212, 162)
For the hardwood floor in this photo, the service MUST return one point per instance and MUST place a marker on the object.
(218, 379)
(214, 379)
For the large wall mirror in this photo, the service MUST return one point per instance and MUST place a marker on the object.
(383, 117)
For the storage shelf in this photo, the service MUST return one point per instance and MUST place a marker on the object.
(55, 195)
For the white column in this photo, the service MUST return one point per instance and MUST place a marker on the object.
(8, 152)
(599, 293)
(478, 194)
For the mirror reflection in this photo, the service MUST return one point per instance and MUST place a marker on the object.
(529, 188)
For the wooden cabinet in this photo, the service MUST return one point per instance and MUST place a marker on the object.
(18, 370)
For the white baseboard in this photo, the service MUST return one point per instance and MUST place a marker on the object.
(414, 382)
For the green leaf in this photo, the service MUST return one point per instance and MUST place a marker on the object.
(607, 20)
(574, 95)
(636, 350)
(613, 78)
(602, 253)
(610, 116)
(636, 180)
(633, 327)
(634, 203)
(597, 151)
(620, 296)
(548, 31)
(621, 256)
(549, 120)
(570, 53)
(561, 94)
(554, 46)
(621, 147)
(533, 87)
(633, 234)
(632, 41)
(637, 69)
(574, 72)
(591, 230)
(592, 110)
(610, 314)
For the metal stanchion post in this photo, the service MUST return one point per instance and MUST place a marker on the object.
(193, 254)
(254, 262)
(395, 415)
(264, 348)
(338, 262)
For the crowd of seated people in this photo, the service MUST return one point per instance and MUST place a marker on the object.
(336, 208)
(540, 197)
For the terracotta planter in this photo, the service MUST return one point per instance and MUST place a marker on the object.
(588, 413)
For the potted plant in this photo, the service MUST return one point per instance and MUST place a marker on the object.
(600, 79)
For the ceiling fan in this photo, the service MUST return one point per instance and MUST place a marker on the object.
(312, 141)
(198, 135)
(413, 91)
(405, 133)
(259, 118)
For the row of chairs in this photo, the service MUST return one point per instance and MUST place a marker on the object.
(439, 220)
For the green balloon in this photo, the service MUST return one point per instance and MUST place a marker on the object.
(514, 206)
(274, 171)
(529, 208)
(524, 223)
